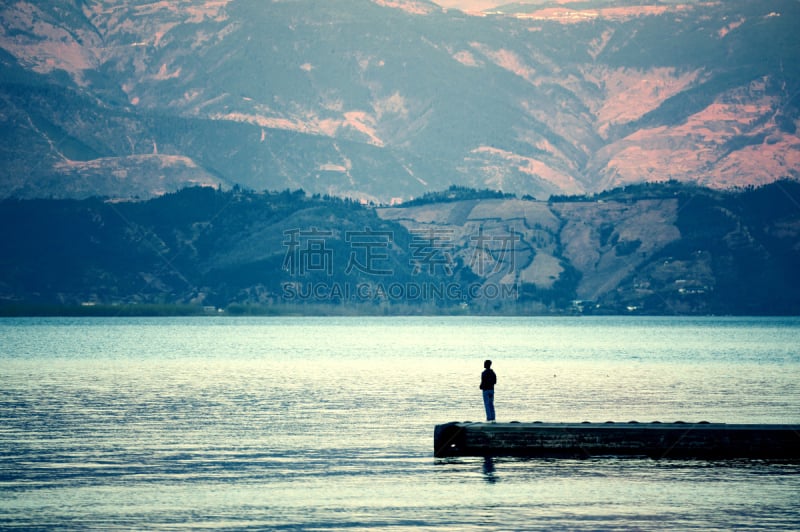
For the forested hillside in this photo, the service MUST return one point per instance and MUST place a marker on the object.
(655, 249)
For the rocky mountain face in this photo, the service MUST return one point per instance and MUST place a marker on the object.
(389, 99)
(657, 249)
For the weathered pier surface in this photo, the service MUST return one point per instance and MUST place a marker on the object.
(585, 440)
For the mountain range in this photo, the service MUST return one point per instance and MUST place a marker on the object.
(669, 249)
(386, 100)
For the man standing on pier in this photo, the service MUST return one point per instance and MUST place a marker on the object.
(488, 380)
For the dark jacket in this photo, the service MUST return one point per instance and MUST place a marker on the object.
(488, 379)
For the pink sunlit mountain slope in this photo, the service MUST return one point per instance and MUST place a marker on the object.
(384, 100)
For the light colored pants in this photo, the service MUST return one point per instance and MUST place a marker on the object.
(488, 403)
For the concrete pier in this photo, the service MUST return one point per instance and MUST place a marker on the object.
(585, 440)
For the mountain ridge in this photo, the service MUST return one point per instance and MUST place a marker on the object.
(385, 101)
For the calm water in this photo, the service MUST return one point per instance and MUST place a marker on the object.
(327, 423)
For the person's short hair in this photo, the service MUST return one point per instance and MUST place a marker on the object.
(487, 364)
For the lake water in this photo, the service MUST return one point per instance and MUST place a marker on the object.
(327, 423)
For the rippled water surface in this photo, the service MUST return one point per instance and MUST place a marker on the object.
(327, 423)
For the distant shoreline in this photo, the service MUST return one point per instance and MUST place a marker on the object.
(32, 310)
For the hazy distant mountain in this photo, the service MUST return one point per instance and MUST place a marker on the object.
(391, 99)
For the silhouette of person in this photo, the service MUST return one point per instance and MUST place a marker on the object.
(488, 380)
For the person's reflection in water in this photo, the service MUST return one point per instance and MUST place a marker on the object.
(488, 470)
